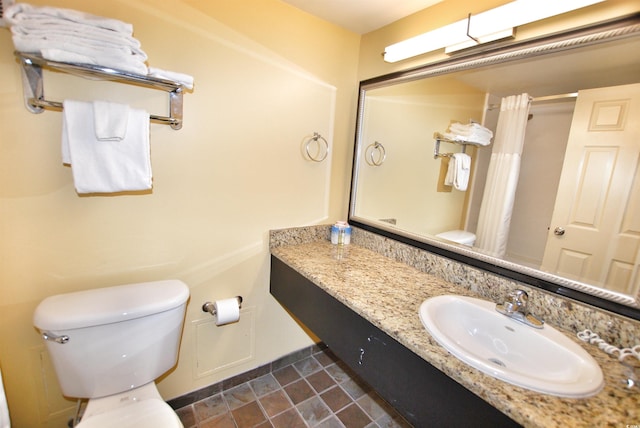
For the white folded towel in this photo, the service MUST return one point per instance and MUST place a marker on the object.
(105, 166)
(67, 35)
(51, 28)
(458, 171)
(73, 47)
(469, 128)
(477, 140)
(77, 44)
(471, 133)
(117, 62)
(111, 120)
(184, 79)
(19, 12)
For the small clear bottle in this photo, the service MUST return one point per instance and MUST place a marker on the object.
(341, 233)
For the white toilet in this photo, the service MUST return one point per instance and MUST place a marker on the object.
(110, 344)
(460, 236)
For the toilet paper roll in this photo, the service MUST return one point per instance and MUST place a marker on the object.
(227, 311)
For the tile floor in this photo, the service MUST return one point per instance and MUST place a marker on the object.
(315, 391)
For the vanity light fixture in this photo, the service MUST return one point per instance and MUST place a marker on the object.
(494, 24)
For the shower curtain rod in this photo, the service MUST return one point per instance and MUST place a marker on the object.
(542, 99)
(554, 97)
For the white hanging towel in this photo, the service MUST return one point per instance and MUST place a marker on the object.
(109, 165)
(458, 171)
(111, 120)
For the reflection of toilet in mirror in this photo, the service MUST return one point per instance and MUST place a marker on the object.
(108, 345)
(459, 236)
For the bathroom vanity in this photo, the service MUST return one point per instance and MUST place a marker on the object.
(363, 303)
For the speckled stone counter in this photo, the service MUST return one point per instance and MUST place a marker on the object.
(388, 293)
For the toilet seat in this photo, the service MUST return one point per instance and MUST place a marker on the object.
(150, 413)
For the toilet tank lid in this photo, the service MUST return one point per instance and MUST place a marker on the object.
(109, 305)
(455, 235)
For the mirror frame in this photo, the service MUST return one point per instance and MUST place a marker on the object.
(624, 27)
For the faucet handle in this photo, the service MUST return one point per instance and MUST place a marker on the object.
(515, 307)
(516, 301)
(519, 296)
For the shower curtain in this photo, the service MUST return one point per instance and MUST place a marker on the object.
(502, 178)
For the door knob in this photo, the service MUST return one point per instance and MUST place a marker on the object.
(558, 231)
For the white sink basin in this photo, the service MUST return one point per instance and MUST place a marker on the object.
(542, 360)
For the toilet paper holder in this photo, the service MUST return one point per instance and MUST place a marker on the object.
(211, 308)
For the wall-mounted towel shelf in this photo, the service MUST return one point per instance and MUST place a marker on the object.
(441, 138)
(35, 101)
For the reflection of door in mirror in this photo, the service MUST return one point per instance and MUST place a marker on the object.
(594, 233)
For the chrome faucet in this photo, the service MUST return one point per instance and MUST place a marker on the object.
(515, 306)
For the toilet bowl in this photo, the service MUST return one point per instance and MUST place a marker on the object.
(110, 344)
(142, 407)
(459, 236)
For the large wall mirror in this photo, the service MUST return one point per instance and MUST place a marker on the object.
(572, 222)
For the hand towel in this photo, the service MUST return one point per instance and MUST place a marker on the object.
(458, 171)
(105, 166)
(110, 120)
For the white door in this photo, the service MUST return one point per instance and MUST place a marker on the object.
(594, 234)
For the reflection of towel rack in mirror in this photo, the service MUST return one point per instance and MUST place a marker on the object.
(322, 148)
(370, 152)
(440, 138)
(34, 87)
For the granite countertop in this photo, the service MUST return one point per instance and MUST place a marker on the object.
(388, 294)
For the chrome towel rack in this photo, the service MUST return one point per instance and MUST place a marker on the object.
(441, 138)
(35, 101)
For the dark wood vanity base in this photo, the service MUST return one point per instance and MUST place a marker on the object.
(424, 395)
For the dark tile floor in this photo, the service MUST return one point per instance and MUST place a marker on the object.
(315, 391)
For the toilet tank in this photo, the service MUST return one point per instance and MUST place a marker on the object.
(459, 236)
(109, 340)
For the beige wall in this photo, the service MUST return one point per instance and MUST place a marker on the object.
(267, 76)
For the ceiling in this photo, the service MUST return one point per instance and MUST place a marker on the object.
(611, 63)
(361, 16)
